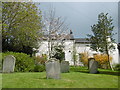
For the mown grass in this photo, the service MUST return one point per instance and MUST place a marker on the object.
(76, 78)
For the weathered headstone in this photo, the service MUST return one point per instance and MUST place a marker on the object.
(9, 64)
(64, 66)
(52, 69)
(93, 65)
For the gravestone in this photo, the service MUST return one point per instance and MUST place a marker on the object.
(64, 66)
(52, 69)
(93, 65)
(9, 64)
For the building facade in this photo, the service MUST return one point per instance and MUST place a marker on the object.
(74, 47)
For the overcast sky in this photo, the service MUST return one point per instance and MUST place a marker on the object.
(81, 15)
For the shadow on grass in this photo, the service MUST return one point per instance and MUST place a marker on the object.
(99, 72)
(110, 73)
(102, 72)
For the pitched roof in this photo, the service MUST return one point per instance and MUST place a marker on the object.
(57, 37)
(81, 40)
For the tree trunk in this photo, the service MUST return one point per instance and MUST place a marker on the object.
(49, 50)
(74, 54)
(109, 64)
(107, 52)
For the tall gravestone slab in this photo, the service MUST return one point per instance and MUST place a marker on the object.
(9, 64)
(52, 69)
(64, 66)
(93, 65)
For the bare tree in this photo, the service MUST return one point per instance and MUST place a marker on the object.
(54, 28)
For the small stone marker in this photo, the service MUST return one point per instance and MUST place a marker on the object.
(93, 65)
(9, 64)
(53, 69)
(64, 66)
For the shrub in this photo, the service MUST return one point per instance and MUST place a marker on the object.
(39, 68)
(58, 52)
(24, 63)
(117, 67)
(102, 59)
(84, 58)
(40, 59)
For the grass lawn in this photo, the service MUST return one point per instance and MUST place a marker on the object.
(77, 78)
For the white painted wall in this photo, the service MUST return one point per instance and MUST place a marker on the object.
(69, 51)
(115, 55)
(80, 48)
(43, 48)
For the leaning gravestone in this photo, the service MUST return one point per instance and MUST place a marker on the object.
(64, 66)
(93, 65)
(9, 64)
(52, 69)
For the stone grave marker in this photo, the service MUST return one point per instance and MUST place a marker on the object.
(52, 69)
(93, 65)
(9, 64)
(64, 66)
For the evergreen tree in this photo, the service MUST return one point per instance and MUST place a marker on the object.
(102, 37)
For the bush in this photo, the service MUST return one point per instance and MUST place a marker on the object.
(40, 59)
(24, 63)
(39, 68)
(58, 52)
(103, 60)
(117, 67)
(84, 58)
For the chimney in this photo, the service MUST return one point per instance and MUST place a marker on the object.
(71, 32)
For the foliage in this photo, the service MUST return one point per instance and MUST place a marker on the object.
(40, 59)
(21, 24)
(39, 68)
(117, 67)
(84, 58)
(103, 60)
(24, 63)
(58, 52)
(102, 38)
(102, 31)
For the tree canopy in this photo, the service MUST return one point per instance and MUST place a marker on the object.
(102, 37)
(55, 28)
(21, 23)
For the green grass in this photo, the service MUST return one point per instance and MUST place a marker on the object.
(77, 78)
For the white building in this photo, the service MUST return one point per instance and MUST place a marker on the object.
(77, 46)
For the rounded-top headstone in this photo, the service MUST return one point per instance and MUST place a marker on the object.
(53, 69)
(93, 65)
(9, 64)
